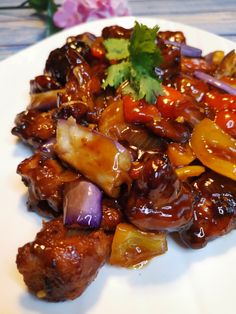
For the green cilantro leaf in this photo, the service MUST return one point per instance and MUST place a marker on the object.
(141, 56)
(149, 88)
(143, 39)
(117, 48)
(117, 73)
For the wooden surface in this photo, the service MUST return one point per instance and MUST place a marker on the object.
(20, 28)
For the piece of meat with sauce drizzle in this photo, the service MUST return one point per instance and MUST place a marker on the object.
(158, 199)
(60, 263)
(214, 212)
(45, 178)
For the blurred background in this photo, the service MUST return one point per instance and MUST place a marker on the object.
(21, 26)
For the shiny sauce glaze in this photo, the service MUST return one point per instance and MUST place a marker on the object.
(169, 166)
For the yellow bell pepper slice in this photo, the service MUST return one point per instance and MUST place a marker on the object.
(180, 154)
(189, 171)
(214, 148)
(132, 247)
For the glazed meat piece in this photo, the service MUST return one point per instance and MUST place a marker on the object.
(170, 66)
(43, 83)
(116, 31)
(172, 36)
(61, 60)
(45, 179)
(78, 96)
(60, 263)
(35, 127)
(191, 86)
(111, 214)
(214, 212)
(158, 199)
(170, 129)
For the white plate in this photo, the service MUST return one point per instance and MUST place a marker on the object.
(181, 281)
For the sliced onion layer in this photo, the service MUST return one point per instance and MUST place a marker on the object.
(215, 82)
(44, 101)
(187, 51)
(82, 204)
(98, 157)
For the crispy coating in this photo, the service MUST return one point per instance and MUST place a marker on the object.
(59, 264)
(214, 212)
(45, 178)
(35, 127)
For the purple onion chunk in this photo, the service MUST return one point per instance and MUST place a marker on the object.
(186, 50)
(215, 82)
(82, 204)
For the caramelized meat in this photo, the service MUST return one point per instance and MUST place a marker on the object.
(116, 31)
(111, 215)
(170, 129)
(158, 200)
(45, 178)
(35, 127)
(191, 86)
(62, 60)
(172, 36)
(59, 264)
(43, 83)
(214, 212)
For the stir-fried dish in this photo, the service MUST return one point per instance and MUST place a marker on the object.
(133, 137)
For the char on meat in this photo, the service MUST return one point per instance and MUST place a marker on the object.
(60, 263)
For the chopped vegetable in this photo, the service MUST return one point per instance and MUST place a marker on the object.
(180, 154)
(226, 119)
(139, 111)
(117, 73)
(44, 101)
(219, 101)
(166, 103)
(215, 82)
(99, 158)
(118, 48)
(187, 51)
(132, 247)
(227, 67)
(215, 148)
(189, 171)
(140, 56)
(82, 204)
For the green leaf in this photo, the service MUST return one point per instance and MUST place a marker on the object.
(116, 74)
(51, 9)
(117, 49)
(143, 39)
(142, 56)
(149, 88)
(130, 91)
(39, 5)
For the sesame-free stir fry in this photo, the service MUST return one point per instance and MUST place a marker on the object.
(133, 137)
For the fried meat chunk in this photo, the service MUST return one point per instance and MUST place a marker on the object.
(35, 127)
(60, 263)
(45, 178)
(214, 211)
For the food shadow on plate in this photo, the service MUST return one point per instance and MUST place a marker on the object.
(21, 150)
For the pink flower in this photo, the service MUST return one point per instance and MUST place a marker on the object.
(74, 12)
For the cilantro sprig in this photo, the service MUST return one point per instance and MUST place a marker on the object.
(138, 57)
